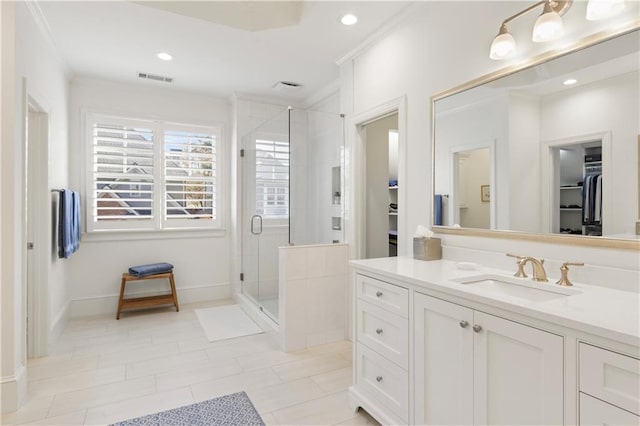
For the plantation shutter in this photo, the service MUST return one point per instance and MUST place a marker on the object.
(190, 175)
(123, 167)
(272, 178)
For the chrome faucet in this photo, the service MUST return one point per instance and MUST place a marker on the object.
(539, 274)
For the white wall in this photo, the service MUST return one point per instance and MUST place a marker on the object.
(325, 139)
(480, 124)
(201, 259)
(12, 362)
(415, 59)
(35, 60)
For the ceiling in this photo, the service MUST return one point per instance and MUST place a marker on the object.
(219, 48)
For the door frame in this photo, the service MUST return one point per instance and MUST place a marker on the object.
(36, 194)
(550, 175)
(355, 226)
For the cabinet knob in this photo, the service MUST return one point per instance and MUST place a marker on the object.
(379, 331)
(378, 294)
(379, 379)
(464, 324)
(477, 328)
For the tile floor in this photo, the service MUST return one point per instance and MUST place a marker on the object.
(102, 371)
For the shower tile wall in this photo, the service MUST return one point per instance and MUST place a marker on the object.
(313, 295)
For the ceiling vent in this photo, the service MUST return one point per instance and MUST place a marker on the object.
(155, 77)
(286, 86)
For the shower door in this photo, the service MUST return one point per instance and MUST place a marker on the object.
(265, 211)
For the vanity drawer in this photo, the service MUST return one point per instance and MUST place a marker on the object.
(383, 381)
(611, 377)
(596, 412)
(384, 295)
(384, 332)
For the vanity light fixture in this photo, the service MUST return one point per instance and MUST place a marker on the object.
(349, 19)
(547, 27)
(570, 81)
(164, 56)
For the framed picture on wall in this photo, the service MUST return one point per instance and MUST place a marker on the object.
(485, 193)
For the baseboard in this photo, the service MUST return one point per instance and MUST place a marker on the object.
(58, 324)
(105, 305)
(13, 390)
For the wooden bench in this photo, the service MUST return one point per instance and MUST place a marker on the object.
(143, 302)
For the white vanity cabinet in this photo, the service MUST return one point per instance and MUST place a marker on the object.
(475, 368)
(609, 387)
(381, 351)
(430, 351)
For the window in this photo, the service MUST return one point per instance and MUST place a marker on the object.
(272, 178)
(151, 175)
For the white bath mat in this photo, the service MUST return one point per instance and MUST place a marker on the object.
(226, 322)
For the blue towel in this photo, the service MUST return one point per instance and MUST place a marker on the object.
(151, 269)
(437, 209)
(68, 223)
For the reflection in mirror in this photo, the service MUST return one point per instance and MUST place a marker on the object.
(550, 149)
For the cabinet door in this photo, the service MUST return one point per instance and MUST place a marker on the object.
(518, 373)
(443, 362)
(596, 412)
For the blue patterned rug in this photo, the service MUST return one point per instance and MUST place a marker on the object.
(234, 409)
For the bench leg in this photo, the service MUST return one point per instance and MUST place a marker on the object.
(120, 301)
(173, 292)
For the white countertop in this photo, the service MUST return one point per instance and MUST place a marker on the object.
(612, 314)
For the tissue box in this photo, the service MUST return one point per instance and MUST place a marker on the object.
(427, 248)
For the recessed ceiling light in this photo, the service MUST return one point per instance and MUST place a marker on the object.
(570, 81)
(349, 19)
(164, 56)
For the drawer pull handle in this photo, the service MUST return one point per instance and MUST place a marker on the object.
(378, 294)
(477, 328)
(379, 379)
(379, 331)
(464, 324)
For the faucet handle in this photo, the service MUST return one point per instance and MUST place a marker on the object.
(520, 272)
(564, 273)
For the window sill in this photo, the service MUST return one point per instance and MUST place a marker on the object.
(152, 234)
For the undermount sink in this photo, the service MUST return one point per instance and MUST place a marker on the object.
(521, 288)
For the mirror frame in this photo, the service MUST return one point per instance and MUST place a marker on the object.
(583, 240)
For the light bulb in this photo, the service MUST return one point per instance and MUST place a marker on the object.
(548, 26)
(164, 56)
(601, 9)
(349, 19)
(503, 45)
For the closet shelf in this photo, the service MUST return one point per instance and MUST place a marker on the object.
(393, 213)
(567, 209)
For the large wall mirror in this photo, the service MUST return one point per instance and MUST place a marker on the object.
(549, 151)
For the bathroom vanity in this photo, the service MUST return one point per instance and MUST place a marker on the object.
(435, 343)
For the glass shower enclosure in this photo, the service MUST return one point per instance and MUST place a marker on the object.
(291, 194)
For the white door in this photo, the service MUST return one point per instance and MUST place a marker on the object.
(518, 373)
(443, 362)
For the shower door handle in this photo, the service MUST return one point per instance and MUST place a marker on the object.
(253, 224)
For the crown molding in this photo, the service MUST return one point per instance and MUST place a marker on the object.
(380, 33)
(322, 94)
(43, 25)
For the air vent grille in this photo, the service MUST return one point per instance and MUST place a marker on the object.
(286, 85)
(155, 77)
